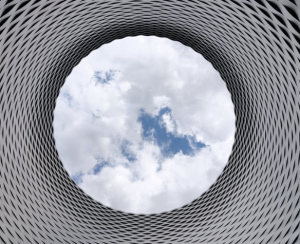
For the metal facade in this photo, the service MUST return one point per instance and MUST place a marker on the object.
(254, 44)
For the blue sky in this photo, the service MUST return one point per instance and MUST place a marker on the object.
(169, 143)
(153, 130)
(103, 77)
(144, 124)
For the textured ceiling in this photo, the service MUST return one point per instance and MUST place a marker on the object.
(254, 44)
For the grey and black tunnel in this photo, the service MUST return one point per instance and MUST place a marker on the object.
(254, 44)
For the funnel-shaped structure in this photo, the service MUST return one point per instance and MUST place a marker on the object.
(254, 44)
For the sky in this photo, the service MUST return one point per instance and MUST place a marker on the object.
(144, 124)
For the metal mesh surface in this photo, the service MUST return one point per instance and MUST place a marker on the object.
(254, 44)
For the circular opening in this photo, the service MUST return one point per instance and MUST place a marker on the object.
(144, 124)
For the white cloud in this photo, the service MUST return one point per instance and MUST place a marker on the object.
(161, 102)
(169, 123)
(143, 189)
(94, 121)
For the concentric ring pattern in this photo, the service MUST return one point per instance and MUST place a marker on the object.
(254, 44)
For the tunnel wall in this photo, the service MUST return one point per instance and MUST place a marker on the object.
(255, 45)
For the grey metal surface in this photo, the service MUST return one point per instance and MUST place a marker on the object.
(255, 45)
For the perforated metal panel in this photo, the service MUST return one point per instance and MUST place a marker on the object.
(255, 45)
